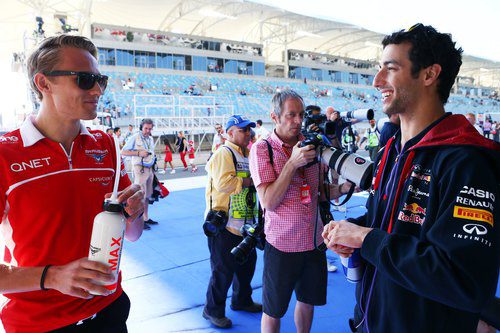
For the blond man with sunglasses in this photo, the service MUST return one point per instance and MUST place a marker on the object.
(55, 176)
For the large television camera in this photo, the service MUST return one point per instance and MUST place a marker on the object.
(358, 115)
(328, 127)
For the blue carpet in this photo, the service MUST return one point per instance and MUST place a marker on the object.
(166, 274)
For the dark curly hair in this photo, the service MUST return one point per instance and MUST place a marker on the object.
(430, 47)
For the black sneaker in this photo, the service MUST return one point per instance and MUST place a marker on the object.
(146, 227)
(150, 222)
(223, 322)
(252, 308)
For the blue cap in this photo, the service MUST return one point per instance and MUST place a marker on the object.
(239, 121)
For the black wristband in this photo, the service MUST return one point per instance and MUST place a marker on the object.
(42, 278)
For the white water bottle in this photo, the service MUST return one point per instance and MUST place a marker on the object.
(107, 239)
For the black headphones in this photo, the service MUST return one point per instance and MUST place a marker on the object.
(144, 121)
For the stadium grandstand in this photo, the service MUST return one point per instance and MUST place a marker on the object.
(189, 65)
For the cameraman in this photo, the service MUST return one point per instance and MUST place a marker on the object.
(227, 188)
(289, 193)
(340, 124)
(140, 146)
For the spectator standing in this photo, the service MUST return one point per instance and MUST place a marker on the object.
(471, 117)
(182, 148)
(127, 159)
(253, 139)
(140, 147)
(487, 128)
(117, 133)
(219, 137)
(425, 242)
(48, 280)
(496, 128)
(168, 157)
(129, 133)
(191, 151)
(229, 185)
(261, 132)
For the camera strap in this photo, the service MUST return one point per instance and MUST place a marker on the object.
(270, 152)
(321, 247)
(235, 162)
(250, 192)
(262, 212)
(348, 195)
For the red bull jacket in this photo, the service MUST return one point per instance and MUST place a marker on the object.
(432, 259)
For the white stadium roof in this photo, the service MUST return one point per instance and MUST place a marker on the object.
(276, 29)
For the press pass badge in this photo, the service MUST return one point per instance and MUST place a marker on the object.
(305, 193)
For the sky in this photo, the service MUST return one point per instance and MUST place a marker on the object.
(474, 24)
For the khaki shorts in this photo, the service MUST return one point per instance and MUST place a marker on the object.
(144, 180)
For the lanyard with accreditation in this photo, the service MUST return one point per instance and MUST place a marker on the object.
(305, 189)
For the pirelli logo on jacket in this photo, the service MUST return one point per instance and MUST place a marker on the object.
(473, 214)
(474, 204)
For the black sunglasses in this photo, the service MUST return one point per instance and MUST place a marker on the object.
(84, 80)
(420, 28)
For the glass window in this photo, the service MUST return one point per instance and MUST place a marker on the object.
(106, 56)
(178, 62)
(125, 57)
(242, 67)
(200, 64)
(188, 61)
(259, 68)
(230, 66)
(353, 78)
(151, 60)
(316, 74)
(140, 59)
(164, 60)
(249, 65)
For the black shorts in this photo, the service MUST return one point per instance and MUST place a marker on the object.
(111, 319)
(304, 272)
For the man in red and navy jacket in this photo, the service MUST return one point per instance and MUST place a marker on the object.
(430, 237)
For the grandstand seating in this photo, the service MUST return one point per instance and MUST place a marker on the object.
(228, 98)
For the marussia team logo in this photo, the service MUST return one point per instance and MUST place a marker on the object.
(96, 154)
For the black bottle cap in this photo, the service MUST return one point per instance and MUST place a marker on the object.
(110, 206)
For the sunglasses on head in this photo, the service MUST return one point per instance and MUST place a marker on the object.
(420, 28)
(84, 80)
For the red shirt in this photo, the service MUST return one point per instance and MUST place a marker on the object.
(290, 227)
(49, 200)
(191, 152)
